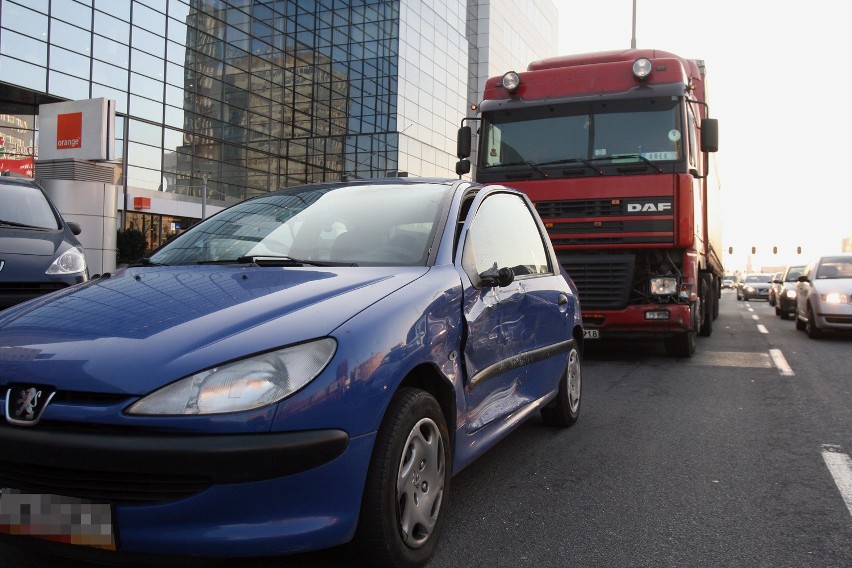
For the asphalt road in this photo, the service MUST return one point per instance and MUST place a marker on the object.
(738, 456)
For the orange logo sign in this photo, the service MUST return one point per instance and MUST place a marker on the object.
(69, 131)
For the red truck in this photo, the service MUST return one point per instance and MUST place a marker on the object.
(615, 150)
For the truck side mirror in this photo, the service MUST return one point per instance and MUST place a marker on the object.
(462, 167)
(463, 143)
(710, 135)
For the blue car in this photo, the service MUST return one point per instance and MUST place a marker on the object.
(304, 369)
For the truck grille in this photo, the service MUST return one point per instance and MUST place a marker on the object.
(603, 281)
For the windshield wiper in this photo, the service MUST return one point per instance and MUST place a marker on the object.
(144, 262)
(533, 165)
(267, 260)
(16, 224)
(585, 162)
(639, 157)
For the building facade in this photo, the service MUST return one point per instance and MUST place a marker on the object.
(221, 100)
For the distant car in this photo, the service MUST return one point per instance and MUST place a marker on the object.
(39, 250)
(775, 277)
(305, 367)
(727, 283)
(784, 290)
(824, 296)
(754, 286)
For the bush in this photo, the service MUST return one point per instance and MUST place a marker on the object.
(131, 245)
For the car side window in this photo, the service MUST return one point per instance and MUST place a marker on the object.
(505, 233)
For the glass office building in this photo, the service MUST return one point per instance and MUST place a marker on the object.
(239, 97)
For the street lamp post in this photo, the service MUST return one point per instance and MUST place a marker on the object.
(633, 37)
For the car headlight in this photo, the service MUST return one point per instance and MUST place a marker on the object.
(241, 385)
(663, 286)
(748, 289)
(71, 261)
(790, 294)
(835, 298)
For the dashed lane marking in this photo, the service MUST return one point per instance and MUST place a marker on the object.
(840, 466)
(762, 328)
(781, 362)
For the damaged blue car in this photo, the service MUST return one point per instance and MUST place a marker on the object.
(305, 369)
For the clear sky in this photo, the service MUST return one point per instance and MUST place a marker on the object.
(779, 86)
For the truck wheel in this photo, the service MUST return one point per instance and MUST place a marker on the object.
(564, 410)
(407, 484)
(681, 345)
(708, 300)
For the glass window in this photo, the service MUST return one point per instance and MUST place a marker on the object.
(148, 65)
(70, 37)
(71, 12)
(504, 234)
(24, 20)
(66, 86)
(145, 108)
(149, 19)
(120, 96)
(146, 87)
(23, 47)
(147, 41)
(110, 51)
(26, 74)
(117, 8)
(144, 178)
(145, 132)
(112, 28)
(111, 75)
(70, 62)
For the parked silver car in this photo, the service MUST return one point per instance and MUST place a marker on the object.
(824, 295)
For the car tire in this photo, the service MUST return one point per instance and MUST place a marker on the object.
(407, 485)
(564, 410)
(800, 325)
(811, 326)
(778, 311)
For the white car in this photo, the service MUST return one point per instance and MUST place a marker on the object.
(824, 295)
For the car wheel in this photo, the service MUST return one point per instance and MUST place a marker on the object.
(800, 325)
(564, 410)
(407, 484)
(811, 326)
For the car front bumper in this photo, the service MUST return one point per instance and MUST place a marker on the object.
(193, 495)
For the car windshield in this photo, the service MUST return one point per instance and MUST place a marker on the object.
(793, 273)
(835, 267)
(759, 278)
(25, 205)
(371, 224)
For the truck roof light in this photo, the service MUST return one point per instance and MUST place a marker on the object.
(511, 81)
(642, 68)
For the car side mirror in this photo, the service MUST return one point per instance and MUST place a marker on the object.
(75, 228)
(497, 277)
(802, 278)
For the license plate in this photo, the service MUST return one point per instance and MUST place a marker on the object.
(57, 518)
(591, 334)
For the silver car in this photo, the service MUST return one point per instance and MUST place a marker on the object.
(824, 295)
(754, 286)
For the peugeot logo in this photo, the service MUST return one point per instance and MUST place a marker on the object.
(25, 404)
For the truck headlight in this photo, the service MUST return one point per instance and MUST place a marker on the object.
(663, 286)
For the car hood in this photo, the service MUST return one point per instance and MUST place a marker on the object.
(144, 327)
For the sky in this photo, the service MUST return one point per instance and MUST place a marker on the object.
(777, 80)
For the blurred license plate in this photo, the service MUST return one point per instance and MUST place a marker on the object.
(591, 334)
(57, 518)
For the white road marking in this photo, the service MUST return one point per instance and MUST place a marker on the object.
(731, 359)
(781, 363)
(840, 466)
(755, 317)
(762, 328)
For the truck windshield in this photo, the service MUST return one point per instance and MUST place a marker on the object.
(616, 131)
